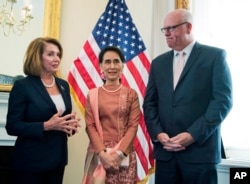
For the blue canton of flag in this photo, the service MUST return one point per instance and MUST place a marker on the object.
(116, 28)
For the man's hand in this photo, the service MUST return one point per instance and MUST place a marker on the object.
(176, 143)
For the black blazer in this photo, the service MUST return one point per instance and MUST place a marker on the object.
(29, 106)
(198, 105)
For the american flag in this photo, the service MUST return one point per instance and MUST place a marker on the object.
(115, 27)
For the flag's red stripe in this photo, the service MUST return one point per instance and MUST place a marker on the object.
(84, 74)
(124, 81)
(146, 134)
(137, 76)
(76, 89)
(138, 148)
(141, 154)
(142, 88)
(144, 130)
(92, 56)
(144, 61)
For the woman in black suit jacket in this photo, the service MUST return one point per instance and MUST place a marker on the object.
(39, 114)
(184, 121)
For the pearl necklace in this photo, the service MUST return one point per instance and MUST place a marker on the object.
(111, 91)
(49, 85)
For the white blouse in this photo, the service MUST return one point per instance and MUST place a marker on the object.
(58, 101)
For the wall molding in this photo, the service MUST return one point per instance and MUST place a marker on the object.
(5, 139)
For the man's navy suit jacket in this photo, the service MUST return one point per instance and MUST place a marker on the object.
(198, 105)
(29, 106)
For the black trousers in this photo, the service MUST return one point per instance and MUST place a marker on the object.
(46, 177)
(177, 171)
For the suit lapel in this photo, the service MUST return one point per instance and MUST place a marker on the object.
(38, 85)
(63, 89)
(190, 62)
(169, 68)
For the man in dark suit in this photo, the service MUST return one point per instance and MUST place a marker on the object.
(184, 120)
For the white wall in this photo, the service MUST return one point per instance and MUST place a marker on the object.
(13, 47)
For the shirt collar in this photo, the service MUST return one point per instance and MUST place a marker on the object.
(187, 49)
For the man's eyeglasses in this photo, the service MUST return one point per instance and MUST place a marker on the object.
(171, 28)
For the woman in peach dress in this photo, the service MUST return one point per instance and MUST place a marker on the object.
(112, 116)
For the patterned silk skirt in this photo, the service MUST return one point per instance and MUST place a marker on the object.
(125, 175)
